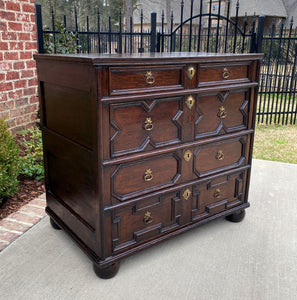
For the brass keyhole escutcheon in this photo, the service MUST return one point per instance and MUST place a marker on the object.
(148, 124)
(222, 112)
(150, 79)
(217, 193)
(187, 194)
(188, 155)
(190, 72)
(148, 217)
(190, 102)
(148, 175)
(225, 73)
(220, 155)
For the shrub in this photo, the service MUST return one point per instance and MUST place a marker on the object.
(9, 163)
(32, 154)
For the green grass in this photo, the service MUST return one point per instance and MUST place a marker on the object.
(276, 143)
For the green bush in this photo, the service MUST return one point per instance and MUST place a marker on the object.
(32, 154)
(9, 163)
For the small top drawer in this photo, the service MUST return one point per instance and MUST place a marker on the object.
(214, 74)
(125, 80)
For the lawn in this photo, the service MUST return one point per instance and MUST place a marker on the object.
(276, 143)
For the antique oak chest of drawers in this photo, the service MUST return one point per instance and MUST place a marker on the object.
(140, 148)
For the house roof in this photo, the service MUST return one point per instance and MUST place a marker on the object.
(275, 8)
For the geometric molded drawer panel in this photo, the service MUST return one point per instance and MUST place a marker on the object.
(217, 195)
(220, 156)
(221, 113)
(144, 125)
(146, 219)
(143, 176)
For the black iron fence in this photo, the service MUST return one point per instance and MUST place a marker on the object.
(210, 31)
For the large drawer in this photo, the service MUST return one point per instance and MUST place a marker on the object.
(220, 156)
(143, 125)
(143, 176)
(221, 112)
(141, 79)
(151, 217)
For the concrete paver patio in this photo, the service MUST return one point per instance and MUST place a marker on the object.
(255, 259)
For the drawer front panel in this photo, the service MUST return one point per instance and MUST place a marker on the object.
(220, 156)
(140, 79)
(144, 125)
(213, 74)
(221, 113)
(135, 178)
(146, 219)
(217, 195)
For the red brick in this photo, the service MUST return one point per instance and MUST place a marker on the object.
(31, 108)
(16, 46)
(1, 5)
(30, 45)
(38, 202)
(26, 55)
(8, 236)
(18, 65)
(2, 77)
(33, 117)
(34, 35)
(6, 105)
(28, 27)
(22, 102)
(4, 114)
(30, 91)
(24, 217)
(11, 56)
(9, 36)
(15, 94)
(5, 15)
(22, 120)
(3, 26)
(5, 86)
(17, 112)
(32, 82)
(1, 56)
(20, 84)
(27, 73)
(3, 46)
(15, 26)
(28, 8)
(33, 18)
(23, 17)
(3, 96)
(13, 6)
(10, 225)
(34, 210)
(34, 99)
(12, 75)
(24, 36)
(30, 64)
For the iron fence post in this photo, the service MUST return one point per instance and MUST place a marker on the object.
(39, 28)
(260, 32)
(153, 31)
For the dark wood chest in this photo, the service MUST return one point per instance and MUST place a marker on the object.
(140, 148)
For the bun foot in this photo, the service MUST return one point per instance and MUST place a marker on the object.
(54, 224)
(106, 272)
(237, 216)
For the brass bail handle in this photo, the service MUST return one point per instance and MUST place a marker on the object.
(226, 73)
(150, 79)
(147, 219)
(220, 155)
(222, 112)
(217, 193)
(148, 124)
(148, 175)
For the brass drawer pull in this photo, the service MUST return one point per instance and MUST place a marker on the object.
(148, 175)
(188, 155)
(190, 102)
(225, 73)
(148, 217)
(148, 124)
(190, 72)
(222, 112)
(187, 194)
(220, 155)
(217, 193)
(150, 79)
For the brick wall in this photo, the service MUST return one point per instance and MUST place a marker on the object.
(18, 82)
